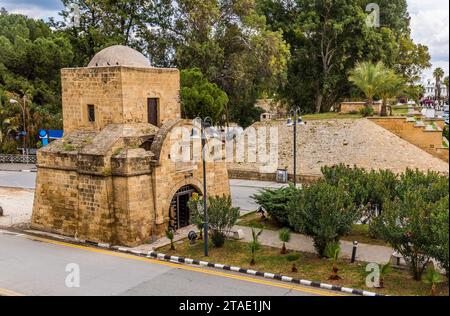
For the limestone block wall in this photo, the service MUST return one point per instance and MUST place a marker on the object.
(349, 107)
(140, 84)
(430, 141)
(101, 87)
(119, 95)
(96, 217)
(56, 201)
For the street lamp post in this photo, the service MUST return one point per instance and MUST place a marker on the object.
(205, 123)
(297, 120)
(23, 106)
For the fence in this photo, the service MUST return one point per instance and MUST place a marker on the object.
(31, 159)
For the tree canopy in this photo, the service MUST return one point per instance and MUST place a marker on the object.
(300, 52)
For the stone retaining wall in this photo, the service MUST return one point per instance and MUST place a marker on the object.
(428, 140)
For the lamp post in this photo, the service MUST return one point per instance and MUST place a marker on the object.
(297, 121)
(23, 105)
(204, 123)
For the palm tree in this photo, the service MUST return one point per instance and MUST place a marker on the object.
(254, 245)
(384, 270)
(285, 236)
(433, 277)
(368, 77)
(333, 251)
(170, 235)
(438, 74)
(392, 86)
(446, 83)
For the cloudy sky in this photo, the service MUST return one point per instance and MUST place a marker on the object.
(429, 23)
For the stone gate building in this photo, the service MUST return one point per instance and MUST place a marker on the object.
(116, 176)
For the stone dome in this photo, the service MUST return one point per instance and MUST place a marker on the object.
(119, 55)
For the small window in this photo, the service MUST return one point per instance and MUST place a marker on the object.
(91, 113)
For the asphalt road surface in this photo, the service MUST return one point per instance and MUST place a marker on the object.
(14, 179)
(37, 267)
(241, 190)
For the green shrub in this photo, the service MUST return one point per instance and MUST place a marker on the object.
(439, 250)
(221, 215)
(254, 245)
(445, 132)
(366, 111)
(9, 147)
(323, 212)
(285, 236)
(217, 238)
(367, 189)
(407, 225)
(275, 203)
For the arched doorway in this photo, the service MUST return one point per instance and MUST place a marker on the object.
(179, 210)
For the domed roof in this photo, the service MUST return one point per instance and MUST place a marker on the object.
(119, 55)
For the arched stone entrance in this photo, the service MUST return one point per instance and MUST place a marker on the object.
(179, 210)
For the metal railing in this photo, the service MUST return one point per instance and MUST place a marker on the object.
(30, 159)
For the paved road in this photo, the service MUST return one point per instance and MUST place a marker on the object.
(14, 179)
(31, 267)
(241, 190)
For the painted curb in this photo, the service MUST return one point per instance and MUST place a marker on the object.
(181, 260)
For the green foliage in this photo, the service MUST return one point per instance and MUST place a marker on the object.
(332, 251)
(433, 277)
(221, 215)
(328, 38)
(285, 235)
(323, 212)
(366, 111)
(254, 245)
(407, 225)
(385, 269)
(200, 98)
(445, 132)
(170, 235)
(31, 57)
(293, 257)
(218, 239)
(367, 189)
(9, 147)
(369, 78)
(439, 250)
(392, 86)
(275, 203)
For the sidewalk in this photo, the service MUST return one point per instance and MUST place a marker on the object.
(365, 252)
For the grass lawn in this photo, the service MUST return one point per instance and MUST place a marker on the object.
(400, 110)
(254, 220)
(359, 233)
(310, 267)
(330, 115)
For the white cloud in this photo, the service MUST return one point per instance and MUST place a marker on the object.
(33, 9)
(430, 26)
